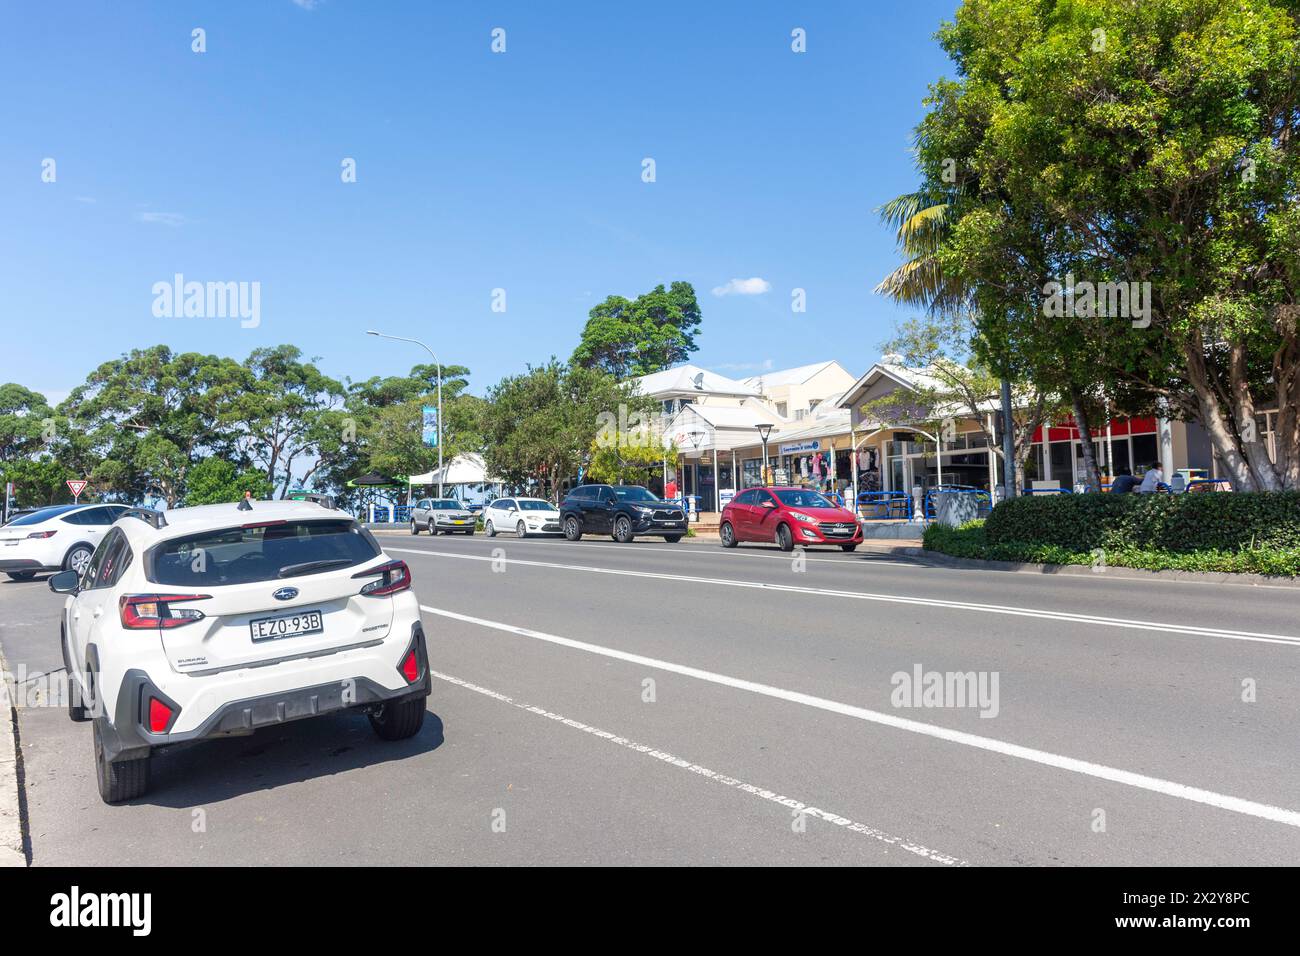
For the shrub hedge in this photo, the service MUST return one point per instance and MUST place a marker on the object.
(971, 541)
(1178, 524)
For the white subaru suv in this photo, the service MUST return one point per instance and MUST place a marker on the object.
(216, 620)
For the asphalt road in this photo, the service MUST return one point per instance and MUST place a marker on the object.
(682, 704)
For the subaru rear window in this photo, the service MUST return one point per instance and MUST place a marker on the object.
(247, 555)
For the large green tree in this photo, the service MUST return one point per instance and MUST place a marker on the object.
(636, 337)
(139, 423)
(1151, 148)
(539, 427)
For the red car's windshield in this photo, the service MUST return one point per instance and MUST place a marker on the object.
(802, 498)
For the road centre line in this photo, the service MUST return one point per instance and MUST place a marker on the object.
(675, 761)
(1067, 616)
(1128, 778)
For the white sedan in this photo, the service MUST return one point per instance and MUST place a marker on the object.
(60, 538)
(523, 516)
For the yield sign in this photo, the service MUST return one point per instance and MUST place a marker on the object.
(76, 486)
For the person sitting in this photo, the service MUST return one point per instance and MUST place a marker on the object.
(1124, 483)
(1153, 480)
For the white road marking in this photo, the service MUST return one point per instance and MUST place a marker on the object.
(683, 764)
(1101, 771)
(1067, 616)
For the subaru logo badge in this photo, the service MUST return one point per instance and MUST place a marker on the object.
(285, 594)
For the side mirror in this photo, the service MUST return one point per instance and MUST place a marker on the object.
(65, 582)
(612, 501)
(769, 504)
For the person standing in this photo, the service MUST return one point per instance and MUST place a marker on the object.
(670, 489)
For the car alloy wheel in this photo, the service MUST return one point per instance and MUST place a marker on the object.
(728, 536)
(520, 530)
(415, 528)
(490, 531)
(433, 530)
(79, 559)
(622, 531)
(784, 539)
(571, 529)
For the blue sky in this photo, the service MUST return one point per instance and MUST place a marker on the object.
(475, 171)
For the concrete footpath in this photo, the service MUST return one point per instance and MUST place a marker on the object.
(11, 822)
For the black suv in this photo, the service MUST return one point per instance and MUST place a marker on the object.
(623, 511)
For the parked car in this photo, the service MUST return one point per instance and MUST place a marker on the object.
(216, 620)
(62, 537)
(623, 511)
(523, 516)
(441, 515)
(788, 516)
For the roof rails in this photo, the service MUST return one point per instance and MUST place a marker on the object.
(155, 519)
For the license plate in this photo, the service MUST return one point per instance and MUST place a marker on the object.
(288, 625)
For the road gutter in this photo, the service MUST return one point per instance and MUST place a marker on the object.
(1110, 571)
(11, 817)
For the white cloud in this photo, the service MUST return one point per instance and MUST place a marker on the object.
(764, 366)
(754, 286)
(307, 4)
(161, 218)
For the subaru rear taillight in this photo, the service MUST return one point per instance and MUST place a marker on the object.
(147, 611)
(396, 577)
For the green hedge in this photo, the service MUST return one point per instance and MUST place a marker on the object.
(1178, 524)
(972, 541)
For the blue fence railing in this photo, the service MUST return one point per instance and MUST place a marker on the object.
(885, 506)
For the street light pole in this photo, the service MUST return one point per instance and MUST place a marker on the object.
(398, 338)
(763, 432)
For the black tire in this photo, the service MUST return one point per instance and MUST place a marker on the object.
(521, 531)
(672, 538)
(123, 780)
(415, 528)
(433, 529)
(572, 530)
(21, 575)
(728, 535)
(70, 563)
(848, 547)
(470, 532)
(490, 531)
(399, 720)
(78, 712)
(623, 530)
(784, 539)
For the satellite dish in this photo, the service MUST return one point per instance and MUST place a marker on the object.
(698, 381)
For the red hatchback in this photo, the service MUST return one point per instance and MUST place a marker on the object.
(788, 516)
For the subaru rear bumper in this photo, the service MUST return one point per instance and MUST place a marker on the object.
(127, 735)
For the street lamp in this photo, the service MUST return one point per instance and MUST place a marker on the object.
(398, 338)
(763, 431)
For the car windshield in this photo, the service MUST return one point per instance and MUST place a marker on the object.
(634, 494)
(268, 553)
(45, 514)
(801, 498)
(533, 504)
(441, 504)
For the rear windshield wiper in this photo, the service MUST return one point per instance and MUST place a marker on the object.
(308, 567)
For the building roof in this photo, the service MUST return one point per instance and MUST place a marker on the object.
(690, 379)
(790, 376)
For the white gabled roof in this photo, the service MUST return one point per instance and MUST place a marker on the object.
(683, 379)
(790, 376)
